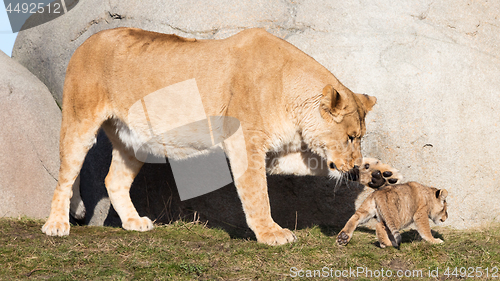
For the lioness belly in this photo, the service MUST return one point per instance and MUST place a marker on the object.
(188, 141)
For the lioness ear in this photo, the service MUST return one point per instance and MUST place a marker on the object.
(367, 101)
(333, 102)
(441, 194)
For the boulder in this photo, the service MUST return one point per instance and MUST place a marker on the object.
(29, 142)
(41, 48)
(433, 66)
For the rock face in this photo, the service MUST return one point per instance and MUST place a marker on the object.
(434, 68)
(29, 142)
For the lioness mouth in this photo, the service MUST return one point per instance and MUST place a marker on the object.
(333, 166)
(353, 174)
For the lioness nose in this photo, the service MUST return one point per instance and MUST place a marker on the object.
(333, 166)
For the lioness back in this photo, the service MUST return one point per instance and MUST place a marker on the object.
(136, 62)
(396, 207)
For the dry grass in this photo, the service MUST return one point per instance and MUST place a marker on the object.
(187, 251)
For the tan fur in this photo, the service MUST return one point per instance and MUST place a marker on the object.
(396, 207)
(283, 99)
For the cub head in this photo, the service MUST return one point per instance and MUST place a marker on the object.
(337, 137)
(438, 210)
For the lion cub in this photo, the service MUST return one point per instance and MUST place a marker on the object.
(397, 206)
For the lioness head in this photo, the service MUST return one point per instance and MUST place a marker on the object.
(338, 136)
(438, 206)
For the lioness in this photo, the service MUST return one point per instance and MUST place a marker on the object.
(281, 97)
(396, 207)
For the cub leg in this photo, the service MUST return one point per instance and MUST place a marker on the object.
(75, 142)
(251, 185)
(391, 222)
(422, 223)
(124, 167)
(365, 212)
(383, 234)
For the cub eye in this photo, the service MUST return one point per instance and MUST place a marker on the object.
(351, 138)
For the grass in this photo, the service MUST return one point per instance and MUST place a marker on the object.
(187, 251)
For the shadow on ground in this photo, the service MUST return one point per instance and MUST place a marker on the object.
(296, 202)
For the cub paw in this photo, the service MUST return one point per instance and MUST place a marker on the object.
(382, 245)
(277, 237)
(138, 224)
(343, 238)
(56, 228)
(376, 174)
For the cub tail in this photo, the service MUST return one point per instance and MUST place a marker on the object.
(397, 239)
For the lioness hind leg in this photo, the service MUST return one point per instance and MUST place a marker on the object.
(122, 172)
(77, 208)
(74, 144)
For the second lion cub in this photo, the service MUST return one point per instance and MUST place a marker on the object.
(396, 207)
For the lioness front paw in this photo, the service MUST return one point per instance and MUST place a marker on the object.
(376, 174)
(56, 227)
(343, 238)
(277, 237)
(138, 224)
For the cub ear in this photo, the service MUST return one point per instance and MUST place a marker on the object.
(367, 101)
(333, 102)
(441, 194)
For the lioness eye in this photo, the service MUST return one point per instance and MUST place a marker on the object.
(351, 138)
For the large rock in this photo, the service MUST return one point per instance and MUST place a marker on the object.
(433, 66)
(42, 47)
(29, 142)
